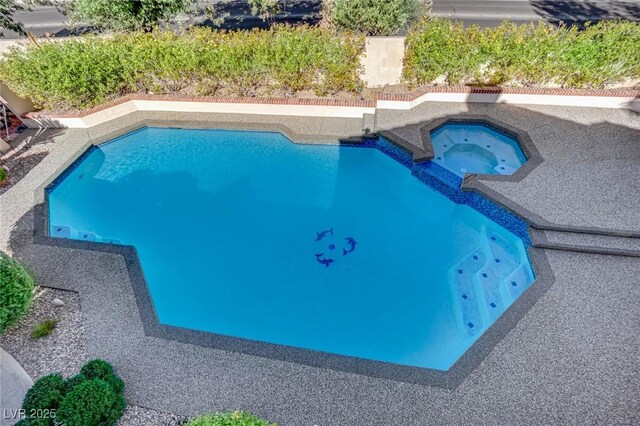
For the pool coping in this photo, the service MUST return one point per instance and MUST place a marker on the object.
(449, 379)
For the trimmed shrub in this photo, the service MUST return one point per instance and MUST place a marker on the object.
(99, 369)
(44, 329)
(595, 56)
(73, 381)
(46, 393)
(89, 71)
(376, 17)
(96, 369)
(90, 398)
(16, 292)
(4, 176)
(92, 402)
(231, 418)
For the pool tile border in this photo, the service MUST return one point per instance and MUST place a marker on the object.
(450, 379)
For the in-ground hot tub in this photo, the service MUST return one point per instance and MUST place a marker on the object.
(337, 249)
(479, 148)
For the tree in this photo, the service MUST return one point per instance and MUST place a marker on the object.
(7, 22)
(374, 17)
(265, 9)
(126, 15)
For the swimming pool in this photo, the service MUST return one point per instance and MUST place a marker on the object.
(339, 249)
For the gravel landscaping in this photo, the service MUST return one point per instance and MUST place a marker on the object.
(140, 416)
(64, 350)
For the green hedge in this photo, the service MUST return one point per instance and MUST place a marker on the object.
(86, 72)
(91, 398)
(16, 292)
(595, 56)
(231, 418)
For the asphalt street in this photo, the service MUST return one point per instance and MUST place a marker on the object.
(46, 20)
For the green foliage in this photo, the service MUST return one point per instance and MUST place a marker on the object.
(96, 369)
(8, 8)
(46, 394)
(3, 176)
(375, 17)
(73, 381)
(44, 328)
(43, 399)
(7, 22)
(596, 56)
(89, 71)
(265, 9)
(92, 402)
(123, 15)
(16, 292)
(99, 369)
(90, 398)
(231, 418)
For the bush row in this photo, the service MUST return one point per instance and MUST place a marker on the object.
(86, 72)
(16, 290)
(91, 398)
(595, 56)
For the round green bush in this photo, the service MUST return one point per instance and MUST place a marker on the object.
(91, 403)
(231, 418)
(100, 369)
(16, 292)
(116, 383)
(92, 397)
(74, 381)
(376, 17)
(46, 393)
(97, 369)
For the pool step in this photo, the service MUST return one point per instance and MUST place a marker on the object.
(74, 234)
(585, 242)
(466, 293)
(499, 266)
(487, 281)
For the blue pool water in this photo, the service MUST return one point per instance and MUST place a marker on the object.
(337, 249)
(476, 148)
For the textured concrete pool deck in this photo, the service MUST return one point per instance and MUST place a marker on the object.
(571, 359)
(589, 177)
